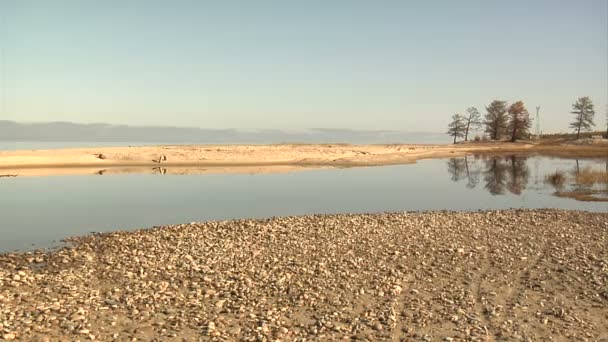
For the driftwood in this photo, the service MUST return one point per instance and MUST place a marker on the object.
(8, 176)
(160, 159)
(100, 155)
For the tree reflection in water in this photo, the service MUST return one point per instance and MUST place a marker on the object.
(464, 168)
(518, 175)
(499, 173)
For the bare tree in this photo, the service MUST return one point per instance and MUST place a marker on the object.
(496, 119)
(457, 127)
(519, 121)
(584, 112)
(472, 121)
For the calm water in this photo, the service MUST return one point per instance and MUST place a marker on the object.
(39, 211)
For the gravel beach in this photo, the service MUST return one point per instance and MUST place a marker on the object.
(430, 276)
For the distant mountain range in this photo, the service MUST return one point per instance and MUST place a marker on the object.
(67, 131)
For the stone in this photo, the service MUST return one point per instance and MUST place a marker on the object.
(9, 336)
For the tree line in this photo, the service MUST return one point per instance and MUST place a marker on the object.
(513, 121)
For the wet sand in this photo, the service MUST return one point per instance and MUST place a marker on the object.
(253, 158)
(433, 276)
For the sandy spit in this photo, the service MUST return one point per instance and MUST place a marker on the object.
(186, 159)
(434, 276)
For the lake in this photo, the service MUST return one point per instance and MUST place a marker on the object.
(37, 212)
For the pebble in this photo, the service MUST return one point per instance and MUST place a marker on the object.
(319, 277)
(9, 336)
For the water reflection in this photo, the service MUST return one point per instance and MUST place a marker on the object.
(511, 174)
(500, 174)
(586, 184)
(463, 168)
(124, 200)
(518, 175)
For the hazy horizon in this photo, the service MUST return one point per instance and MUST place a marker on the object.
(251, 129)
(14, 135)
(294, 66)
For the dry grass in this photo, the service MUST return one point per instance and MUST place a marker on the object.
(585, 196)
(591, 177)
(557, 137)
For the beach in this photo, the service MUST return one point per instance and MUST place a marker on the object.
(427, 276)
(303, 171)
(200, 159)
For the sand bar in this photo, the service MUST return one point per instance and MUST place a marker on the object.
(183, 159)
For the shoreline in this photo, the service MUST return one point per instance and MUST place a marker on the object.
(418, 275)
(257, 158)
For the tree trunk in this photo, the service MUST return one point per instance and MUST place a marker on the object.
(514, 132)
(466, 133)
(580, 123)
(454, 139)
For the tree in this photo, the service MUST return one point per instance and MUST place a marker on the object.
(496, 119)
(472, 121)
(457, 127)
(584, 112)
(519, 121)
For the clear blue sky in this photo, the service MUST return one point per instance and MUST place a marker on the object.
(404, 65)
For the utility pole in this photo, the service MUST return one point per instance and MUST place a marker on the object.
(538, 122)
(607, 131)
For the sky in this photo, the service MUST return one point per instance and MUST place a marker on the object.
(378, 65)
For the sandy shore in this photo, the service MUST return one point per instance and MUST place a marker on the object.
(251, 158)
(435, 276)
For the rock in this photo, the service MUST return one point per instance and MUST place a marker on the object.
(220, 303)
(396, 290)
(9, 336)
(110, 302)
(234, 331)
